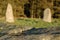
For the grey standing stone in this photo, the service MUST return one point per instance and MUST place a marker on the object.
(47, 15)
(9, 14)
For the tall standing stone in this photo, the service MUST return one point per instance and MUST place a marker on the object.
(9, 14)
(47, 15)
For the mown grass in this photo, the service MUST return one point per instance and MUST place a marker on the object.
(34, 22)
(38, 23)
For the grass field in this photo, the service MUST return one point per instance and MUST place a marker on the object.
(34, 22)
(37, 22)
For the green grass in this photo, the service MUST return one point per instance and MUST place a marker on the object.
(38, 23)
(34, 22)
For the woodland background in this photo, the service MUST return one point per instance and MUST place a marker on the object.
(31, 8)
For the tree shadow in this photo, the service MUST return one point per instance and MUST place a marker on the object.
(35, 31)
(38, 31)
(56, 15)
(27, 10)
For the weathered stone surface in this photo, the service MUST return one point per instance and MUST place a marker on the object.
(31, 37)
(47, 15)
(9, 14)
(15, 31)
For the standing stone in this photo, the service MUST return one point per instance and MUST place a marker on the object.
(9, 14)
(47, 15)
